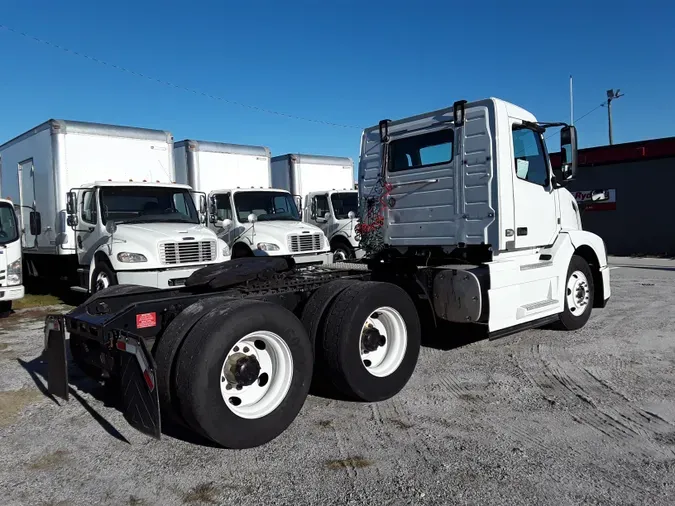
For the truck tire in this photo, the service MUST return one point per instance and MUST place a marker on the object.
(102, 277)
(5, 308)
(374, 365)
(313, 315)
(578, 295)
(226, 385)
(342, 250)
(167, 348)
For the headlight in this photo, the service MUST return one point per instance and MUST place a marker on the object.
(131, 258)
(267, 246)
(226, 250)
(14, 273)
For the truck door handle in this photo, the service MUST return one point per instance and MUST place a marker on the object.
(521, 231)
(421, 181)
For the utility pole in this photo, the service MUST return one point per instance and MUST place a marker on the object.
(571, 102)
(611, 95)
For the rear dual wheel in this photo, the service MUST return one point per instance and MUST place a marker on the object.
(242, 373)
(367, 340)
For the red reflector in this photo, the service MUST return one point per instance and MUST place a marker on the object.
(121, 345)
(145, 320)
(148, 379)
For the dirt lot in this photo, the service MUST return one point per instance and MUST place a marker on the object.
(541, 417)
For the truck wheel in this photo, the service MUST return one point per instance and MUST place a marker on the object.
(579, 293)
(5, 308)
(314, 313)
(342, 251)
(103, 277)
(241, 251)
(243, 373)
(372, 340)
(167, 348)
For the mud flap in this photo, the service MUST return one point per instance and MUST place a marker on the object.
(55, 351)
(138, 382)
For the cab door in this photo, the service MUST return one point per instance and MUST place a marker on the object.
(533, 196)
(87, 235)
(318, 207)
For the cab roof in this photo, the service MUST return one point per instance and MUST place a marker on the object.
(141, 184)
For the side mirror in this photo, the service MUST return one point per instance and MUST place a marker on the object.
(35, 223)
(568, 152)
(599, 195)
(252, 218)
(351, 215)
(202, 204)
(71, 203)
(111, 227)
(224, 224)
(72, 220)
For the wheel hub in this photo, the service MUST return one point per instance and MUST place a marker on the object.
(371, 339)
(242, 370)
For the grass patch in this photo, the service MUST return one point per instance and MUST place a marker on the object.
(351, 462)
(31, 300)
(204, 493)
(13, 402)
(3, 346)
(49, 461)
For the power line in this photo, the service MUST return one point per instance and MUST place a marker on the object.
(169, 83)
(581, 117)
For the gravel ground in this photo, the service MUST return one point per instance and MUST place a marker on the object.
(541, 417)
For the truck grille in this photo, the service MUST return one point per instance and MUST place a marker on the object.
(304, 242)
(173, 253)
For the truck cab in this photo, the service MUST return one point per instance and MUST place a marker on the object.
(266, 222)
(11, 274)
(142, 233)
(335, 213)
(472, 186)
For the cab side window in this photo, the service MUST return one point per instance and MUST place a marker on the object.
(89, 207)
(319, 206)
(529, 158)
(223, 207)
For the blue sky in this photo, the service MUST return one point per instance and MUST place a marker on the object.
(346, 61)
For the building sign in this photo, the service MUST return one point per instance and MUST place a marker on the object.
(584, 197)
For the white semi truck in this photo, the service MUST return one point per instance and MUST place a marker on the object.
(463, 221)
(99, 206)
(11, 268)
(252, 218)
(324, 189)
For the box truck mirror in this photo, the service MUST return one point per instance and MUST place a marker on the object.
(202, 204)
(351, 215)
(35, 223)
(224, 224)
(252, 218)
(71, 203)
(111, 227)
(72, 220)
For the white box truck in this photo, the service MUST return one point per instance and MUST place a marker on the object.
(324, 189)
(252, 218)
(99, 206)
(11, 268)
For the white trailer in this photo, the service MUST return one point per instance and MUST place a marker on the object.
(11, 268)
(325, 191)
(86, 192)
(252, 218)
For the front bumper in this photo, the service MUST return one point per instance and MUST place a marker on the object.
(12, 292)
(162, 279)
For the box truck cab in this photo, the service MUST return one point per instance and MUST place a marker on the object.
(140, 233)
(73, 181)
(252, 218)
(11, 279)
(324, 189)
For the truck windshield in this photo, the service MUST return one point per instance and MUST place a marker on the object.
(343, 203)
(140, 204)
(9, 229)
(266, 205)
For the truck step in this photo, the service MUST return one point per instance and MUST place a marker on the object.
(534, 307)
(78, 289)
